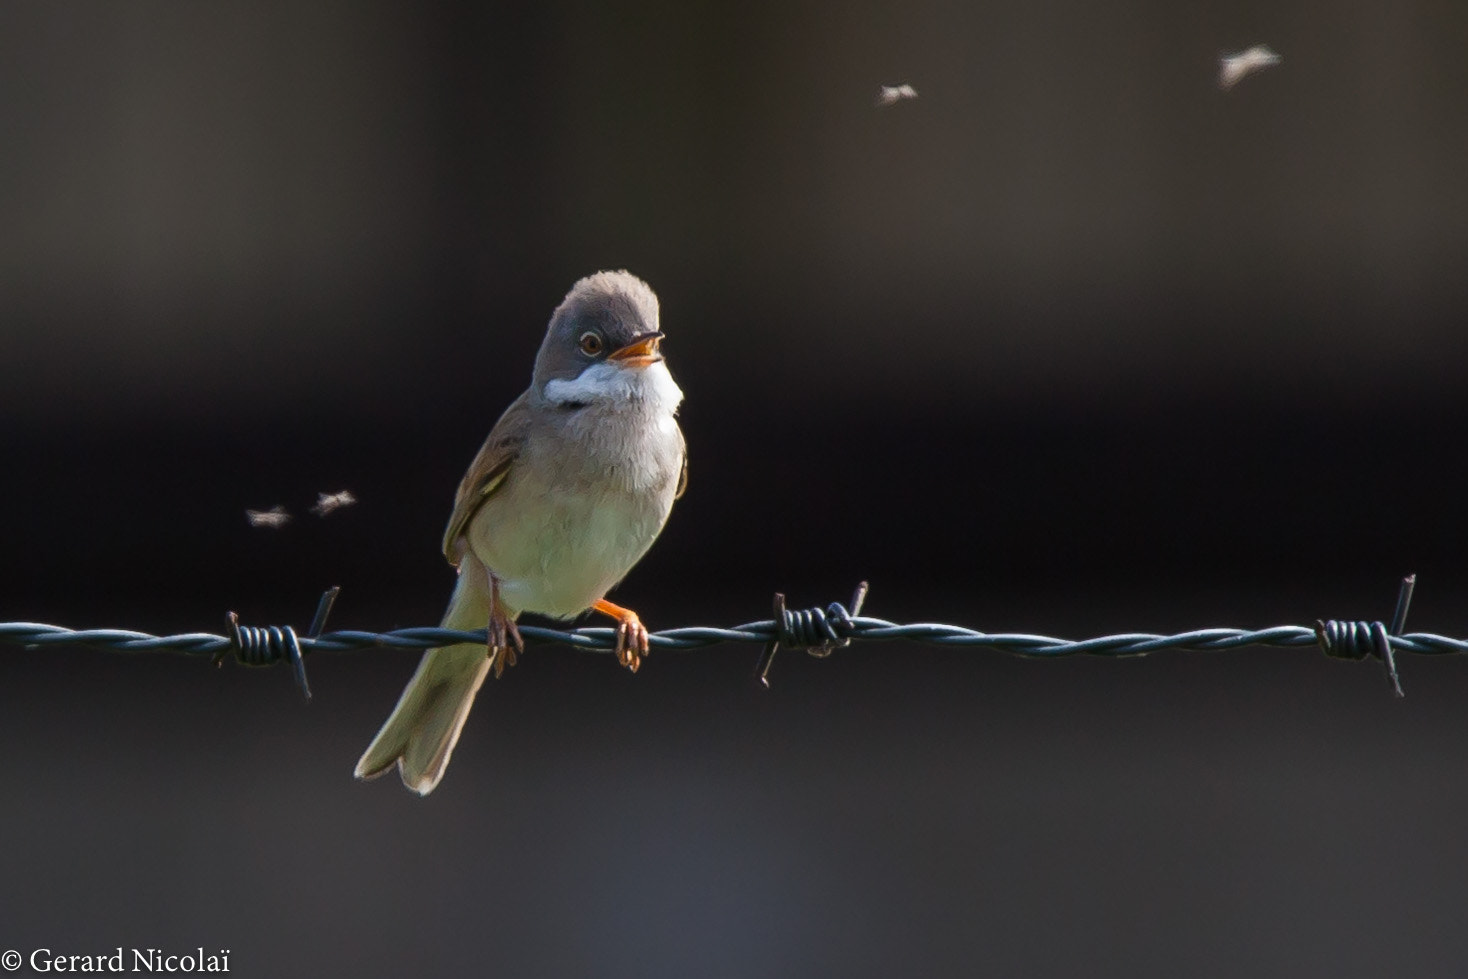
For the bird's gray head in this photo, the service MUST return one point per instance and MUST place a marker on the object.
(603, 346)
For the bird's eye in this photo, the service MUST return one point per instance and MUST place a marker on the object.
(591, 343)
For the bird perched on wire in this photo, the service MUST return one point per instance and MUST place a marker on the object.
(570, 489)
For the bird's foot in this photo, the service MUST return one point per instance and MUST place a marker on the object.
(504, 642)
(504, 636)
(632, 642)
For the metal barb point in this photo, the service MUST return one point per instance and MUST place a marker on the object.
(298, 663)
(232, 632)
(323, 609)
(1404, 599)
(767, 657)
(1399, 622)
(1382, 645)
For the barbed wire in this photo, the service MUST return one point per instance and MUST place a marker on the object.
(819, 631)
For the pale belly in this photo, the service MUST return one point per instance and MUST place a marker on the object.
(556, 549)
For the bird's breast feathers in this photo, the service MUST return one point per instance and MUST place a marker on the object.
(589, 493)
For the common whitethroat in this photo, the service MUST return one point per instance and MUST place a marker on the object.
(570, 489)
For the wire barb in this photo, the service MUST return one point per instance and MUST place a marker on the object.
(268, 645)
(1358, 640)
(818, 632)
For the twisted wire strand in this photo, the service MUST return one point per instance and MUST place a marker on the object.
(598, 639)
(817, 630)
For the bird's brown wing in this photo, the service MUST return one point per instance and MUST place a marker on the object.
(486, 473)
(682, 473)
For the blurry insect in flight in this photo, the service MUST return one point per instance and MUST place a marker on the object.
(892, 94)
(1233, 68)
(327, 502)
(275, 517)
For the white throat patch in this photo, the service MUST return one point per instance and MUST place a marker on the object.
(606, 383)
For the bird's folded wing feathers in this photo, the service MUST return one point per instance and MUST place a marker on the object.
(682, 473)
(487, 473)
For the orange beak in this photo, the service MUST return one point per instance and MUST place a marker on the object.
(641, 352)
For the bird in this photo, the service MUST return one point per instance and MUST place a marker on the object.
(569, 491)
(1234, 68)
(892, 94)
(275, 518)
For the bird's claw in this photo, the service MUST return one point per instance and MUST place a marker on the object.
(504, 642)
(632, 642)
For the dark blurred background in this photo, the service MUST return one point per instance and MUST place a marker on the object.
(1074, 343)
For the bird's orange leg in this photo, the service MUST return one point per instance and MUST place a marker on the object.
(504, 635)
(631, 633)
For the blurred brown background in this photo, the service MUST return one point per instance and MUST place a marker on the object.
(1074, 343)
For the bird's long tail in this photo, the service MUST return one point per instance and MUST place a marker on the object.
(421, 733)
